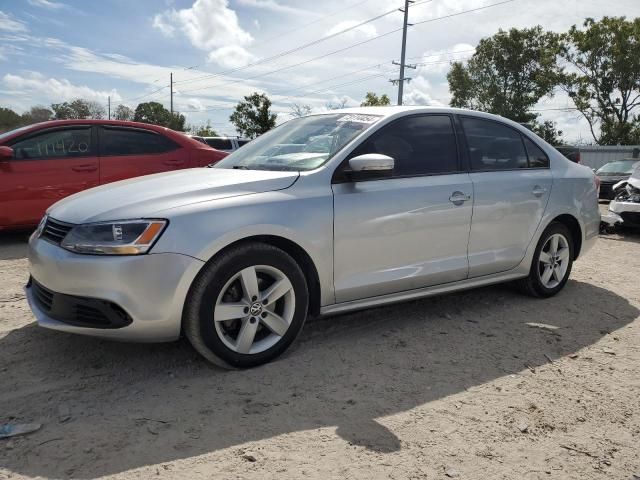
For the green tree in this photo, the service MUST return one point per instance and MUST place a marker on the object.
(204, 130)
(372, 100)
(37, 114)
(252, 116)
(155, 113)
(548, 131)
(604, 81)
(508, 73)
(78, 108)
(122, 112)
(9, 119)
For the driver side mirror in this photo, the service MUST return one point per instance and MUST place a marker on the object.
(6, 153)
(370, 166)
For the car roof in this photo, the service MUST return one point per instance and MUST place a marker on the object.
(179, 137)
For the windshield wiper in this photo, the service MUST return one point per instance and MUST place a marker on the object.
(240, 167)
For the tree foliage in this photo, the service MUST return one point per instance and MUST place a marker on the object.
(252, 116)
(203, 130)
(78, 109)
(9, 119)
(37, 114)
(122, 112)
(373, 100)
(548, 131)
(300, 110)
(155, 113)
(604, 77)
(508, 73)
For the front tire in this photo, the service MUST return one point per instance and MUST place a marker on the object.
(552, 262)
(247, 306)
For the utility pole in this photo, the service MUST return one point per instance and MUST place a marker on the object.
(400, 81)
(171, 87)
(109, 106)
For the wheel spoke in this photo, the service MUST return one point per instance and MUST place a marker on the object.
(563, 253)
(276, 291)
(557, 274)
(545, 258)
(229, 311)
(249, 279)
(553, 248)
(275, 323)
(246, 335)
(546, 275)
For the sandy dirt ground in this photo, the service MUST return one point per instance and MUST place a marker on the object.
(465, 386)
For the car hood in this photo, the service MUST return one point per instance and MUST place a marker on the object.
(143, 196)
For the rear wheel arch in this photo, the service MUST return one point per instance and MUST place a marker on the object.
(573, 225)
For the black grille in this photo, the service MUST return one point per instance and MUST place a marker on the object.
(54, 231)
(79, 311)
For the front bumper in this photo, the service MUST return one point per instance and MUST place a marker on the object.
(150, 289)
(629, 212)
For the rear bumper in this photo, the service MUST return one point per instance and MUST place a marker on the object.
(149, 291)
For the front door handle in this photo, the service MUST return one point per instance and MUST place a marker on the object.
(84, 168)
(458, 198)
(538, 191)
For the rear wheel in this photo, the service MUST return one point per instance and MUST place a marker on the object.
(552, 262)
(247, 306)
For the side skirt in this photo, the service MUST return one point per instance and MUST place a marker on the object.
(390, 298)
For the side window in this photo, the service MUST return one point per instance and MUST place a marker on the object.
(220, 143)
(123, 141)
(493, 146)
(537, 158)
(420, 145)
(242, 142)
(63, 143)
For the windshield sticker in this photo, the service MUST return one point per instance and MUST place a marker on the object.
(359, 118)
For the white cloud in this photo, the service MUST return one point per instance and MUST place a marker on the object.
(8, 24)
(230, 56)
(51, 5)
(368, 30)
(209, 25)
(55, 89)
(273, 6)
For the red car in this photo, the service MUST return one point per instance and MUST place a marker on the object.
(42, 163)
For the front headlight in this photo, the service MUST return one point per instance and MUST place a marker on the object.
(126, 237)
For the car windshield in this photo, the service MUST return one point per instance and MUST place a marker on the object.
(300, 144)
(619, 166)
(11, 132)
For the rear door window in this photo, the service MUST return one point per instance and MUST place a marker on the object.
(493, 146)
(60, 143)
(127, 141)
(537, 158)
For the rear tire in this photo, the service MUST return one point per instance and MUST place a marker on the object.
(247, 306)
(551, 264)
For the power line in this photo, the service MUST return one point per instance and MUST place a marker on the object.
(290, 51)
(348, 47)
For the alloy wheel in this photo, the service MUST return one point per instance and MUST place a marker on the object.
(554, 260)
(254, 309)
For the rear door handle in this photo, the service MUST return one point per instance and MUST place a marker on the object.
(84, 168)
(538, 191)
(458, 198)
(173, 162)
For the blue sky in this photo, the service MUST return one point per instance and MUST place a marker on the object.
(56, 50)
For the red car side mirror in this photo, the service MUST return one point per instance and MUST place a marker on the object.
(6, 153)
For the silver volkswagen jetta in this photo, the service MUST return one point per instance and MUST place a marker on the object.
(322, 215)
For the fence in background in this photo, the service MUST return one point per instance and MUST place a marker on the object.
(596, 156)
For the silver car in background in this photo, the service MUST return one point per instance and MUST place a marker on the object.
(324, 214)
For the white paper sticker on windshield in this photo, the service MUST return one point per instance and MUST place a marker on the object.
(359, 118)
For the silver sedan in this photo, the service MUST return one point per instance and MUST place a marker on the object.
(324, 214)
